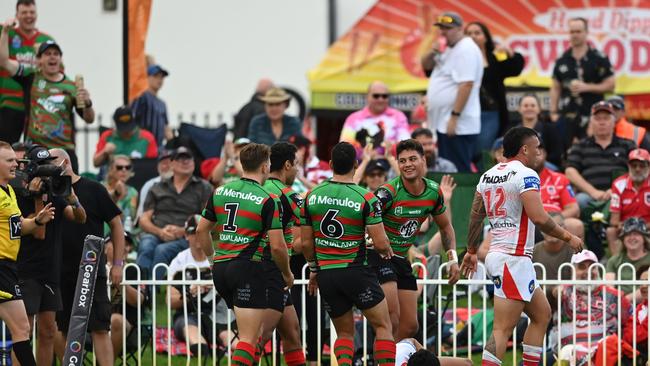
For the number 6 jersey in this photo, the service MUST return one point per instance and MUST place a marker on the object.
(501, 187)
(338, 214)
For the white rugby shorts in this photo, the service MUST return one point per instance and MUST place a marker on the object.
(513, 276)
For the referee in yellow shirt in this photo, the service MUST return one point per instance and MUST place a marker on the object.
(12, 226)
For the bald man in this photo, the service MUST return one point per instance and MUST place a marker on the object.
(251, 109)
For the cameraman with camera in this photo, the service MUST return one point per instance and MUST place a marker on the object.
(40, 256)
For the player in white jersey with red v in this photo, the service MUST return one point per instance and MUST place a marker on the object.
(508, 194)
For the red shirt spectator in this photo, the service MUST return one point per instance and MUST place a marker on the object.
(556, 191)
(631, 192)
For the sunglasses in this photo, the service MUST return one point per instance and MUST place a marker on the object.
(382, 96)
(123, 167)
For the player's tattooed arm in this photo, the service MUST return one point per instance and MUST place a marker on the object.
(550, 227)
(491, 345)
(476, 218)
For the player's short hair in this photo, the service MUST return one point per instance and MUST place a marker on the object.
(409, 144)
(581, 19)
(5, 145)
(343, 158)
(281, 152)
(514, 139)
(421, 131)
(423, 357)
(25, 3)
(253, 155)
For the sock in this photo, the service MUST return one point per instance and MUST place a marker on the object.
(244, 354)
(344, 350)
(489, 359)
(384, 352)
(532, 355)
(295, 357)
(23, 351)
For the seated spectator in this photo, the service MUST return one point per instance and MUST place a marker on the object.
(311, 170)
(552, 253)
(166, 207)
(125, 197)
(189, 261)
(593, 161)
(229, 168)
(556, 191)
(376, 123)
(274, 125)
(589, 322)
(434, 163)
(125, 139)
(150, 111)
(636, 241)
(625, 129)
(630, 196)
(164, 172)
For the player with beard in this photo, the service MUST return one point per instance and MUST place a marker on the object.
(407, 201)
(435, 164)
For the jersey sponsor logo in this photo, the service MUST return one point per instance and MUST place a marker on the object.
(497, 179)
(327, 200)
(16, 42)
(531, 182)
(503, 225)
(15, 227)
(408, 229)
(249, 196)
(233, 238)
(342, 244)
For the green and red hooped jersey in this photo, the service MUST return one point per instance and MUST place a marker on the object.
(338, 214)
(291, 203)
(22, 49)
(244, 212)
(404, 213)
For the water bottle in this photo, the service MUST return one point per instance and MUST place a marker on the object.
(128, 223)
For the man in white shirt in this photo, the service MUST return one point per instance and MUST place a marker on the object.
(453, 93)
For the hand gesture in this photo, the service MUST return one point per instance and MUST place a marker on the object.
(46, 214)
(447, 185)
(454, 273)
(82, 94)
(8, 24)
(312, 287)
(288, 279)
(109, 148)
(468, 268)
(368, 152)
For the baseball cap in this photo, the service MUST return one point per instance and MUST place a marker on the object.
(617, 102)
(191, 224)
(39, 154)
(602, 106)
(182, 152)
(165, 154)
(48, 44)
(585, 255)
(155, 69)
(123, 117)
(498, 143)
(449, 19)
(639, 154)
(242, 141)
(634, 224)
(379, 164)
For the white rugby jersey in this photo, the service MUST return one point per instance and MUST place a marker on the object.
(501, 186)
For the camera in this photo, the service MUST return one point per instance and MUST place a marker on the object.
(37, 163)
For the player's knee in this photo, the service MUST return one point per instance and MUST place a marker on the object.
(22, 331)
(116, 322)
(46, 331)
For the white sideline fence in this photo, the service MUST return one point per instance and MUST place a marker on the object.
(430, 284)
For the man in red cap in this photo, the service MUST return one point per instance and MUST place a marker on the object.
(630, 195)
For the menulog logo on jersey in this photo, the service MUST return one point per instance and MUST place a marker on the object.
(249, 196)
(327, 200)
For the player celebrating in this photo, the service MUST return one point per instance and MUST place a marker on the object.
(335, 216)
(245, 212)
(281, 312)
(407, 201)
(508, 194)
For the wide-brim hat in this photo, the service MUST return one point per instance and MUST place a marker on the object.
(275, 95)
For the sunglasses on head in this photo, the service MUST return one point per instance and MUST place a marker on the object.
(123, 167)
(382, 96)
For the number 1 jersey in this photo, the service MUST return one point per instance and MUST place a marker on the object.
(501, 188)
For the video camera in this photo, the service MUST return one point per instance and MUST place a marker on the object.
(37, 163)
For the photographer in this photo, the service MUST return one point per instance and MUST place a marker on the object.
(12, 226)
(40, 256)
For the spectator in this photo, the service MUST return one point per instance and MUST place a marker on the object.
(48, 125)
(376, 122)
(641, 319)
(166, 207)
(624, 128)
(435, 164)
(100, 210)
(419, 115)
(636, 241)
(311, 170)
(580, 78)
(595, 308)
(499, 63)
(593, 160)
(529, 110)
(453, 92)
(556, 191)
(151, 111)
(229, 167)
(497, 151)
(164, 172)
(24, 38)
(551, 253)
(274, 125)
(251, 109)
(127, 138)
(39, 269)
(374, 174)
(125, 197)
(630, 195)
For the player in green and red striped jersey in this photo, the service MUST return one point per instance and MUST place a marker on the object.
(50, 95)
(244, 212)
(24, 40)
(407, 201)
(335, 217)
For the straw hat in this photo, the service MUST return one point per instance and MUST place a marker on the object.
(275, 95)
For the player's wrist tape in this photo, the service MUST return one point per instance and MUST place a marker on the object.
(313, 267)
(452, 256)
(118, 262)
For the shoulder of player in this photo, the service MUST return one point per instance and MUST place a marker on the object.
(364, 193)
